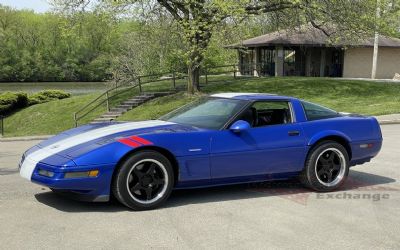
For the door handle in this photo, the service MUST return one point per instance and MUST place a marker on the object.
(294, 133)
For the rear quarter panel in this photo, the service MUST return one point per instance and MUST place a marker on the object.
(356, 131)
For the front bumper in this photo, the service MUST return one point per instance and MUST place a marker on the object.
(81, 188)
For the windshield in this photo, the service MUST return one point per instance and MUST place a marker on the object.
(211, 113)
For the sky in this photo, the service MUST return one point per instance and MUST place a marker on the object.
(36, 5)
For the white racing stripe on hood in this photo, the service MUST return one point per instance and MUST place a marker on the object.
(32, 159)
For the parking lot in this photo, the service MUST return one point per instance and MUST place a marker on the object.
(365, 213)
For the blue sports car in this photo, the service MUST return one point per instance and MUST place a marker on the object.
(217, 140)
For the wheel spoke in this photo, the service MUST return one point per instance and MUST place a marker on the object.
(137, 187)
(331, 156)
(336, 167)
(158, 181)
(148, 192)
(321, 172)
(151, 169)
(329, 176)
(323, 161)
(138, 173)
(326, 167)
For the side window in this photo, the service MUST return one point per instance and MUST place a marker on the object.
(267, 113)
(316, 112)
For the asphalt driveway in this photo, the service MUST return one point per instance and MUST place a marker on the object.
(365, 213)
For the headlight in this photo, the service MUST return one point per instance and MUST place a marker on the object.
(45, 173)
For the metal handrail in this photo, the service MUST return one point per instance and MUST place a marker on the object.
(156, 74)
(105, 100)
(223, 66)
(2, 125)
(139, 79)
(107, 94)
(97, 98)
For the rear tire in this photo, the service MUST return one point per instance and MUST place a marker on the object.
(143, 181)
(326, 167)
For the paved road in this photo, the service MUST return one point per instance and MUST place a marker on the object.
(365, 214)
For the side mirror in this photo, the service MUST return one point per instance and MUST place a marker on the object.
(239, 126)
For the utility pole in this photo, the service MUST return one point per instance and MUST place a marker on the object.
(376, 41)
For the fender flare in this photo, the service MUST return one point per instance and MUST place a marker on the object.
(327, 133)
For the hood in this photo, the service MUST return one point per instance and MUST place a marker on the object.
(92, 136)
(100, 130)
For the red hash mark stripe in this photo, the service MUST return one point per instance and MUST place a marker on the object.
(141, 140)
(129, 142)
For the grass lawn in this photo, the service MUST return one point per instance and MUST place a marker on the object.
(47, 118)
(157, 107)
(370, 98)
(56, 116)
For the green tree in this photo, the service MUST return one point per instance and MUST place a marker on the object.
(199, 19)
(85, 39)
(54, 46)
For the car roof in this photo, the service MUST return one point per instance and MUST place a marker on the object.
(252, 96)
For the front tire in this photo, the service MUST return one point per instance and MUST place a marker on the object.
(143, 181)
(326, 167)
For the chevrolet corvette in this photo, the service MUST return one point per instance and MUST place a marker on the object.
(220, 139)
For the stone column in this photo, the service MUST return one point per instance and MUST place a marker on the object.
(308, 62)
(323, 63)
(279, 60)
(255, 61)
(239, 64)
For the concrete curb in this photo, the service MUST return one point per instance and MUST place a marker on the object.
(25, 138)
(388, 122)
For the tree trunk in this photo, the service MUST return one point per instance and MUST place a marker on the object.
(194, 79)
(198, 46)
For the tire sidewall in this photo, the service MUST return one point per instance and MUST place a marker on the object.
(126, 167)
(311, 174)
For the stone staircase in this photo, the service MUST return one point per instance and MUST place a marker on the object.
(129, 104)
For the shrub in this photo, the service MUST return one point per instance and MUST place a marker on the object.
(5, 108)
(10, 101)
(47, 95)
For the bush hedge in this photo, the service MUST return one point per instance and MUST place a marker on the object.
(47, 95)
(12, 101)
